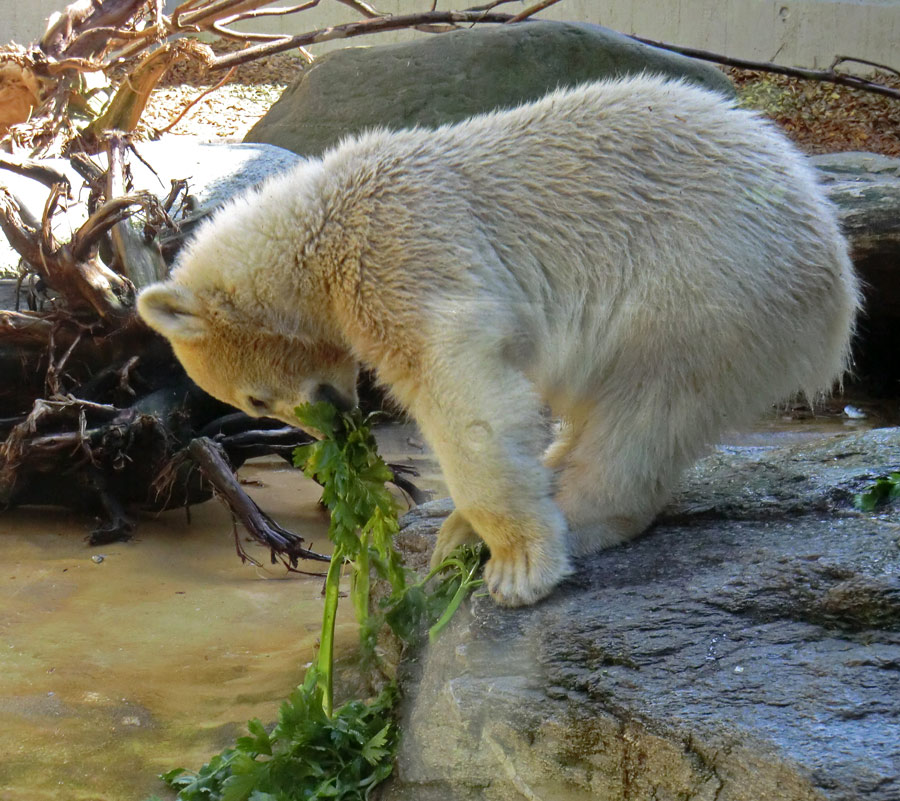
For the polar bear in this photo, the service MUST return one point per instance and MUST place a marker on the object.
(642, 258)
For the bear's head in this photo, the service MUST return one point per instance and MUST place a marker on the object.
(246, 359)
(245, 310)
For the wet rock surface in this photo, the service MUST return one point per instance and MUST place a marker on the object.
(748, 647)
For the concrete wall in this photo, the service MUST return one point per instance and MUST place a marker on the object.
(794, 32)
(23, 21)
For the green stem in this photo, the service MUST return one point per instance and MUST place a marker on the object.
(325, 661)
(360, 590)
(466, 583)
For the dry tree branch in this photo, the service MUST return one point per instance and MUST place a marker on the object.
(531, 10)
(828, 76)
(71, 28)
(112, 212)
(486, 7)
(215, 9)
(269, 12)
(26, 220)
(24, 239)
(24, 327)
(360, 28)
(48, 241)
(238, 36)
(181, 114)
(843, 59)
(363, 8)
(139, 261)
(212, 461)
(52, 378)
(83, 280)
(128, 104)
(38, 170)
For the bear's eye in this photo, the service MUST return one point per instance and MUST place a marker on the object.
(257, 404)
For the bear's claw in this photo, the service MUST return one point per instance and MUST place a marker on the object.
(519, 577)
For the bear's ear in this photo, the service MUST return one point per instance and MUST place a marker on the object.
(173, 311)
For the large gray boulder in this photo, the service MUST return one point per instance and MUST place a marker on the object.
(746, 649)
(446, 78)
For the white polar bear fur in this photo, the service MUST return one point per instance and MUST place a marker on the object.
(640, 256)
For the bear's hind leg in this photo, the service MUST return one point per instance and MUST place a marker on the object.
(618, 474)
(558, 451)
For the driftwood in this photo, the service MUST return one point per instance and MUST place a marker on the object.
(95, 413)
(211, 458)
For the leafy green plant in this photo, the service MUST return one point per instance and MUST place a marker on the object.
(429, 604)
(308, 755)
(883, 491)
(313, 751)
(346, 463)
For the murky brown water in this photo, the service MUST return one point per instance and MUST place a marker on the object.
(154, 658)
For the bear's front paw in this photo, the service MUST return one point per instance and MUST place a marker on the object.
(455, 531)
(521, 576)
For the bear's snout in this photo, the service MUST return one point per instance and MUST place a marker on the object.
(328, 394)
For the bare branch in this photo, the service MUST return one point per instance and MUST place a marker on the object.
(52, 378)
(81, 163)
(40, 171)
(844, 59)
(485, 7)
(140, 262)
(216, 9)
(214, 464)
(128, 104)
(360, 28)
(83, 282)
(21, 327)
(64, 32)
(113, 211)
(48, 242)
(268, 12)
(238, 36)
(181, 114)
(363, 8)
(532, 10)
(23, 238)
(64, 65)
(829, 75)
